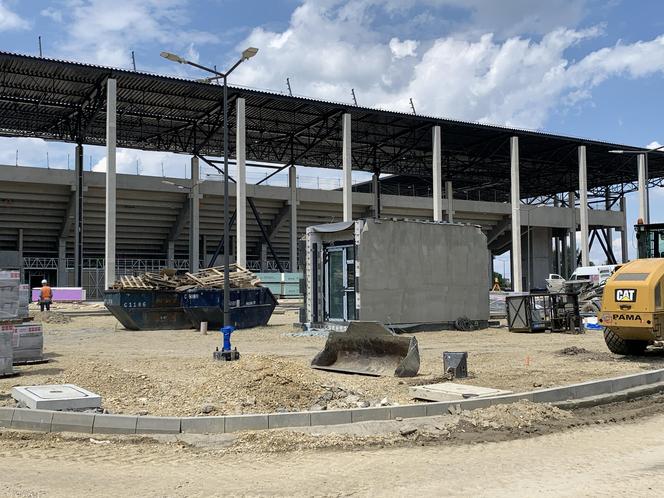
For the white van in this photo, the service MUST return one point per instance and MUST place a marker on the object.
(593, 274)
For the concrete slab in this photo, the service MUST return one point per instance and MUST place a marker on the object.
(451, 391)
(434, 409)
(33, 420)
(203, 425)
(56, 397)
(115, 424)
(365, 414)
(72, 422)
(331, 417)
(235, 423)
(158, 425)
(297, 419)
(6, 415)
(408, 411)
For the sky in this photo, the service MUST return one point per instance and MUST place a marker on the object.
(585, 68)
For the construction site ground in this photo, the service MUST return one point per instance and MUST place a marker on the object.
(506, 450)
(172, 372)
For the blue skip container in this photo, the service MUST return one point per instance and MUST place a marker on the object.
(251, 307)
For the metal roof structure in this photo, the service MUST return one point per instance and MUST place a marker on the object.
(65, 101)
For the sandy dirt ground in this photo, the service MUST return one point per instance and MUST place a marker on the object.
(532, 450)
(172, 372)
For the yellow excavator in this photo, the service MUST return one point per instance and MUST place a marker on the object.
(632, 308)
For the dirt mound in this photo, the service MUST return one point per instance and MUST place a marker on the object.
(573, 350)
(513, 416)
(51, 317)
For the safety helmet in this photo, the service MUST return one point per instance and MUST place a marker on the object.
(44, 281)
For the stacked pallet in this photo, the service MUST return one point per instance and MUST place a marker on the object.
(208, 278)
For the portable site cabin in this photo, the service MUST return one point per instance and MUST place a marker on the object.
(401, 273)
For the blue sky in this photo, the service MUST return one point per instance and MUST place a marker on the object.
(586, 68)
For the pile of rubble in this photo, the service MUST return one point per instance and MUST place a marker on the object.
(208, 278)
(335, 398)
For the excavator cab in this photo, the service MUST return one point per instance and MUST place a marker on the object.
(650, 240)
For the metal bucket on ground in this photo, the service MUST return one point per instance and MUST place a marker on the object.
(369, 348)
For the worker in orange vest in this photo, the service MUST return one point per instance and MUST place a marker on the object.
(45, 296)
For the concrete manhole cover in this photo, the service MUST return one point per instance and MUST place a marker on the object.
(56, 397)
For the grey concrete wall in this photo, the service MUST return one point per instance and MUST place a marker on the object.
(541, 254)
(414, 272)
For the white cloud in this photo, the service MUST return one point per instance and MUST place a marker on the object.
(9, 20)
(132, 161)
(106, 31)
(401, 49)
(654, 145)
(52, 13)
(330, 47)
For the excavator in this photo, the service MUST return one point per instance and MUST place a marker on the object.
(632, 311)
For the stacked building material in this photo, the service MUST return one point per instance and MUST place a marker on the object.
(9, 294)
(6, 351)
(208, 278)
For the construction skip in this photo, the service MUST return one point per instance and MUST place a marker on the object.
(409, 275)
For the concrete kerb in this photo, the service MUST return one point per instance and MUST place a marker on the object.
(46, 420)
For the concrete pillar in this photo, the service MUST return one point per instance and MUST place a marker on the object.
(624, 254)
(241, 187)
(436, 175)
(517, 275)
(347, 159)
(263, 256)
(170, 254)
(644, 197)
(78, 218)
(375, 189)
(449, 195)
(63, 281)
(20, 254)
(583, 207)
(292, 184)
(194, 217)
(571, 199)
(109, 261)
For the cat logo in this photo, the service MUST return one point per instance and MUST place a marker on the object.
(626, 295)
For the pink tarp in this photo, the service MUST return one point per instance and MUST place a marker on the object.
(61, 294)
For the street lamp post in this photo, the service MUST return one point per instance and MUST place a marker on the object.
(246, 54)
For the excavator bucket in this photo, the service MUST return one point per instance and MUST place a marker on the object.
(369, 348)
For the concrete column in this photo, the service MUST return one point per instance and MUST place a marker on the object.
(109, 262)
(347, 159)
(571, 199)
(517, 275)
(624, 254)
(449, 195)
(375, 189)
(644, 198)
(241, 187)
(583, 206)
(194, 217)
(436, 175)
(263, 256)
(292, 184)
(62, 262)
(78, 218)
(20, 254)
(170, 254)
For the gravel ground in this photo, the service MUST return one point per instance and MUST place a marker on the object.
(172, 372)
